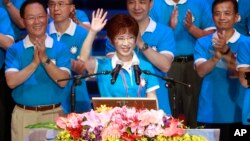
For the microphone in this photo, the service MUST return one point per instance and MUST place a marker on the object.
(137, 72)
(116, 71)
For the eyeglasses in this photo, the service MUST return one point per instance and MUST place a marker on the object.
(59, 5)
(226, 13)
(128, 39)
(33, 18)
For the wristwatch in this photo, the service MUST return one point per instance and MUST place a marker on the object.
(46, 62)
(144, 47)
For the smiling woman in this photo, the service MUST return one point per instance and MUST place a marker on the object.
(122, 31)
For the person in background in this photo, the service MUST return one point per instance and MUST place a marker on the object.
(33, 66)
(243, 23)
(189, 19)
(122, 31)
(6, 40)
(155, 43)
(220, 98)
(63, 29)
(243, 68)
(12, 7)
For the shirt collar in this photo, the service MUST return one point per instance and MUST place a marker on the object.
(27, 43)
(70, 30)
(233, 39)
(171, 2)
(151, 26)
(115, 59)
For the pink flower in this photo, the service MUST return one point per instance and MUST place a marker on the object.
(113, 130)
(173, 129)
(147, 117)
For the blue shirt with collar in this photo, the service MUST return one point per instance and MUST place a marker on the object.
(220, 98)
(5, 29)
(39, 88)
(161, 39)
(73, 38)
(202, 18)
(125, 85)
(17, 31)
(243, 60)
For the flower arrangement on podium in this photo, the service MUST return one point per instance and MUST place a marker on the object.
(122, 124)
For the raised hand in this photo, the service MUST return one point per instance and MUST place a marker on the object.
(188, 22)
(98, 20)
(174, 18)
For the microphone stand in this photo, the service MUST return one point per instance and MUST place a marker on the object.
(167, 79)
(170, 83)
(77, 81)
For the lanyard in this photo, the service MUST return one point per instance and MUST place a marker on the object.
(126, 85)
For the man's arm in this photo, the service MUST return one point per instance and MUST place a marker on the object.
(5, 41)
(14, 13)
(16, 78)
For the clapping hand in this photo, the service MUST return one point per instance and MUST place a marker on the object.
(77, 66)
(220, 42)
(39, 44)
(188, 22)
(98, 20)
(174, 18)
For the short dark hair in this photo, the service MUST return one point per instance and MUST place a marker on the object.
(28, 2)
(234, 2)
(121, 23)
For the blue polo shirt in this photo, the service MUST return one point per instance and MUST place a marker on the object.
(73, 38)
(125, 85)
(243, 60)
(17, 31)
(201, 18)
(220, 99)
(161, 39)
(5, 29)
(39, 88)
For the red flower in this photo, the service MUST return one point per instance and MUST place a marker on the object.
(75, 133)
(130, 137)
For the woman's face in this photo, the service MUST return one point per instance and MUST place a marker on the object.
(124, 44)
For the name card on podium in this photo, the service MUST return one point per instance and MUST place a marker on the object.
(137, 102)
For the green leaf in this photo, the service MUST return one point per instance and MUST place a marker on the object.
(47, 125)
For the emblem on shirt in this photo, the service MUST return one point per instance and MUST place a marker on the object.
(143, 82)
(73, 49)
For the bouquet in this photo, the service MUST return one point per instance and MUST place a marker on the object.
(121, 124)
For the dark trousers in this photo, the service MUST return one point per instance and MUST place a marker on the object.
(184, 100)
(6, 107)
